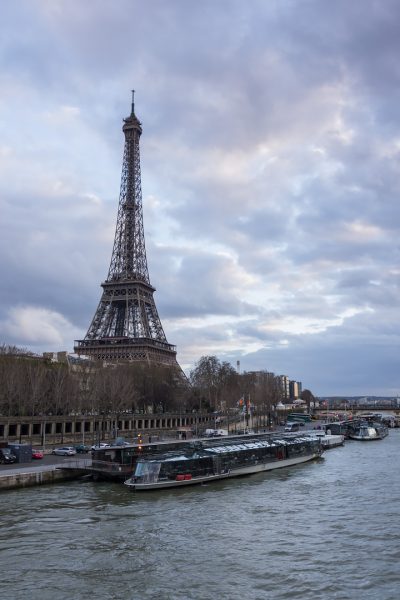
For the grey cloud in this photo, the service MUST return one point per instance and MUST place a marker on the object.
(337, 362)
(270, 149)
(201, 284)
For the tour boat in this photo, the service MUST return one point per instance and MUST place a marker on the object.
(207, 461)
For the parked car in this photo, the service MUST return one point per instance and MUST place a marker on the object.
(101, 445)
(82, 449)
(65, 451)
(6, 456)
(37, 454)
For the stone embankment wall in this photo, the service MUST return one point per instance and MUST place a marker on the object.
(27, 479)
(68, 430)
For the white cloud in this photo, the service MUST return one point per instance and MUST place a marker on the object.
(37, 327)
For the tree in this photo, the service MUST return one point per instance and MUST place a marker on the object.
(215, 383)
(308, 398)
(204, 377)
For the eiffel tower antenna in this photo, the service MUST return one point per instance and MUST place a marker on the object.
(126, 325)
(133, 103)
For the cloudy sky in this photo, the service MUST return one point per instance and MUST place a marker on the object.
(270, 176)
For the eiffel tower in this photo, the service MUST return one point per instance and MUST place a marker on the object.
(126, 325)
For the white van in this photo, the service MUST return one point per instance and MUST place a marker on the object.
(215, 432)
(292, 427)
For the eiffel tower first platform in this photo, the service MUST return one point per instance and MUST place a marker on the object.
(126, 325)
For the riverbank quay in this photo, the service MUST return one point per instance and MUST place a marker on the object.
(21, 476)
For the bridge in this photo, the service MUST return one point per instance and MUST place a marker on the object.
(358, 410)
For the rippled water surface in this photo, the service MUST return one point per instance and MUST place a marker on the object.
(327, 529)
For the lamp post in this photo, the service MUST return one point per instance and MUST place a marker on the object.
(43, 435)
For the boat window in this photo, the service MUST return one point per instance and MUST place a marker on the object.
(176, 458)
(196, 468)
(147, 472)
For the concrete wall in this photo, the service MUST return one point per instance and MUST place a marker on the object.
(20, 480)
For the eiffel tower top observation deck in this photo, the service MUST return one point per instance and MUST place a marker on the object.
(126, 325)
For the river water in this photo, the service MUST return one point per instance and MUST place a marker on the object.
(322, 530)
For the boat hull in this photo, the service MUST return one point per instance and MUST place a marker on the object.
(363, 438)
(249, 470)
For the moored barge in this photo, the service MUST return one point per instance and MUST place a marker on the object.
(367, 431)
(206, 461)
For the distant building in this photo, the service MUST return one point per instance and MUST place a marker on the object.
(294, 390)
(284, 379)
(61, 357)
(291, 390)
(74, 362)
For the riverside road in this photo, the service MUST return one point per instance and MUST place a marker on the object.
(47, 463)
